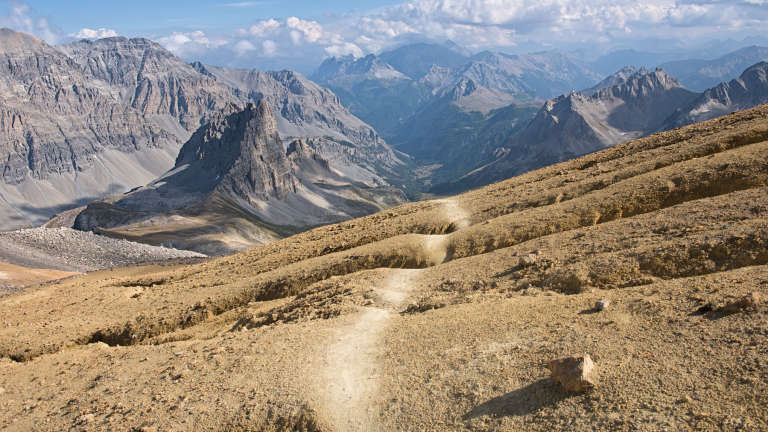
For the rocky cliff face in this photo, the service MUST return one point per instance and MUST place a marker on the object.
(750, 89)
(236, 171)
(88, 119)
(575, 124)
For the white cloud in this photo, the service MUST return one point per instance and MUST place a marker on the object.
(244, 47)
(86, 33)
(22, 18)
(261, 28)
(269, 47)
(311, 31)
(190, 43)
(346, 48)
(481, 24)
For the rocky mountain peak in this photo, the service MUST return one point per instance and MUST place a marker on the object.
(16, 42)
(640, 84)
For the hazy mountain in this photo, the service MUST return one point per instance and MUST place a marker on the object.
(434, 103)
(749, 90)
(577, 123)
(416, 60)
(618, 59)
(699, 75)
(235, 185)
(92, 118)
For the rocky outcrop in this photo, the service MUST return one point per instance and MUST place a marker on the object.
(235, 171)
(750, 89)
(93, 118)
(577, 124)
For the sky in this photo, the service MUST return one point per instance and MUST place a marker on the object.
(299, 34)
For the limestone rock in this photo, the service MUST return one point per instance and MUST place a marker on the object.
(602, 304)
(575, 374)
(529, 260)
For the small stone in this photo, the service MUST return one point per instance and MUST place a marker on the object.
(86, 419)
(749, 301)
(602, 304)
(2, 391)
(575, 374)
(529, 260)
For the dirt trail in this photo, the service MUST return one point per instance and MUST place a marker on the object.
(349, 385)
(455, 213)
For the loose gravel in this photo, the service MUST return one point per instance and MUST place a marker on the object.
(71, 250)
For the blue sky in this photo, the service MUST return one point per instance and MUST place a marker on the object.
(158, 16)
(299, 34)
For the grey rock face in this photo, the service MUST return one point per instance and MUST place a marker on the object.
(92, 118)
(576, 124)
(750, 89)
(236, 171)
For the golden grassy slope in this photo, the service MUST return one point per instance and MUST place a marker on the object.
(317, 330)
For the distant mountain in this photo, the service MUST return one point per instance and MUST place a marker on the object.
(699, 75)
(93, 118)
(618, 59)
(576, 124)
(750, 89)
(416, 60)
(235, 185)
(432, 102)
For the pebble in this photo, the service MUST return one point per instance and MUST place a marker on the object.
(602, 304)
(528, 260)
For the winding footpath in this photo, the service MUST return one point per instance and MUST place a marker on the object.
(348, 386)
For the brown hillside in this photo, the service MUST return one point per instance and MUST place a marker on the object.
(437, 315)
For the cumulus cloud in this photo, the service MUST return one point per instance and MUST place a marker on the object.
(86, 33)
(482, 24)
(190, 43)
(22, 18)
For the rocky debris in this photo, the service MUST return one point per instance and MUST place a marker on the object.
(575, 374)
(72, 250)
(602, 305)
(529, 260)
(86, 419)
(748, 302)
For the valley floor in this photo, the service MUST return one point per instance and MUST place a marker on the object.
(438, 315)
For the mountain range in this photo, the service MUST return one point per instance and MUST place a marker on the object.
(93, 118)
(631, 104)
(453, 102)
(219, 159)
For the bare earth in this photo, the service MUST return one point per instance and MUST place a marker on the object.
(437, 315)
